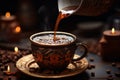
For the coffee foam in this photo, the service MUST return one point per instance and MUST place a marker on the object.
(48, 39)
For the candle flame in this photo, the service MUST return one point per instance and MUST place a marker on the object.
(8, 68)
(17, 29)
(16, 49)
(113, 30)
(7, 14)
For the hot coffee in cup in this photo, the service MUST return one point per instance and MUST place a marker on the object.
(48, 39)
(54, 55)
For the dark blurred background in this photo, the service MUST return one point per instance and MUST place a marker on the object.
(32, 13)
(42, 14)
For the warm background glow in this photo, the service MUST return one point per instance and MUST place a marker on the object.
(17, 29)
(7, 14)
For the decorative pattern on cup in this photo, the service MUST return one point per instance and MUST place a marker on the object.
(53, 58)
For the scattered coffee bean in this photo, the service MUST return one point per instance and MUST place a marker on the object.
(117, 74)
(32, 69)
(118, 67)
(93, 74)
(93, 66)
(0, 60)
(0, 54)
(110, 78)
(4, 57)
(6, 61)
(91, 59)
(9, 57)
(113, 64)
(89, 67)
(108, 71)
(1, 77)
(1, 64)
(15, 57)
(2, 68)
(6, 66)
(24, 53)
(9, 78)
(19, 55)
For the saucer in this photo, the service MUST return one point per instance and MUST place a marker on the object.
(25, 63)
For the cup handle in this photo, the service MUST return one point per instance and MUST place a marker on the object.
(85, 51)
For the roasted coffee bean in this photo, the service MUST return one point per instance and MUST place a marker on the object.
(24, 53)
(108, 71)
(89, 67)
(19, 55)
(118, 67)
(117, 74)
(9, 56)
(1, 64)
(4, 57)
(9, 78)
(1, 78)
(92, 65)
(91, 59)
(6, 61)
(32, 69)
(0, 60)
(93, 74)
(2, 68)
(110, 75)
(113, 64)
(15, 57)
(110, 78)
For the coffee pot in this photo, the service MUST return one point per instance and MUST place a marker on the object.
(86, 7)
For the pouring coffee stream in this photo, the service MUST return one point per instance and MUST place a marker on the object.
(81, 7)
(65, 10)
(59, 18)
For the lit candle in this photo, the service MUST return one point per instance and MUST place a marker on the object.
(109, 44)
(8, 71)
(8, 17)
(113, 31)
(7, 14)
(16, 50)
(17, 29)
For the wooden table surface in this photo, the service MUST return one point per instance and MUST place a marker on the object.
(101, 70)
